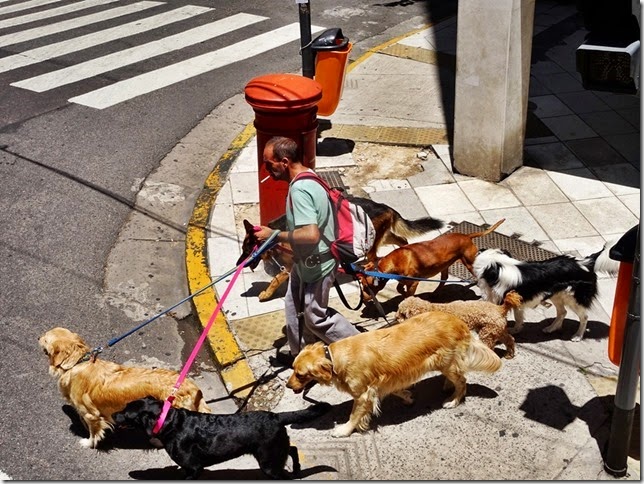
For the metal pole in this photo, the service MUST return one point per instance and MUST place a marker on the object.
(308, 68)
(629, 367)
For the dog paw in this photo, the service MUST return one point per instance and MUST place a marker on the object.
(87, 443)
(263, 296)
(450, 403)
(552, 328)
(577, 337)
(343, 430)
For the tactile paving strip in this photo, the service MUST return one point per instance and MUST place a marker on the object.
(332, 178)
(256, 334)
(399, 136)
(419, 54)
(517, 248)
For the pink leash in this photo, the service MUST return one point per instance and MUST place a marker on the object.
(193, 355)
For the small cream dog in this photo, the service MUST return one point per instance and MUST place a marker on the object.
(369, 366)
(489, 320)
(97, 388)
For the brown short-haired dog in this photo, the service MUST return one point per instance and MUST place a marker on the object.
(423, 260)
(486, 318)
(391, 228)
(97, 388)
(369, 366)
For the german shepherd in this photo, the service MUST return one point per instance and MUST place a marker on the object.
(390, 226)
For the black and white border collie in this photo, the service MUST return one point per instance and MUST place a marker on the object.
(563, 280)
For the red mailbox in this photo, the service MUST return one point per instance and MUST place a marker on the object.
(284, 105)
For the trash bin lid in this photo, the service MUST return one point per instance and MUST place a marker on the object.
(276, 92)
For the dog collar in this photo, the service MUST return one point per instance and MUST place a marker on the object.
(327, 355)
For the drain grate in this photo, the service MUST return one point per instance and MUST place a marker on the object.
(517, 248)
(333, 178)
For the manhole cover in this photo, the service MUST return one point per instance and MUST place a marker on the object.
(517, 248)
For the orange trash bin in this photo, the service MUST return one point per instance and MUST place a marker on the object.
(331, 50)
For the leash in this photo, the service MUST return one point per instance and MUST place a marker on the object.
(92, 354)
(184, 372)
(398, 277)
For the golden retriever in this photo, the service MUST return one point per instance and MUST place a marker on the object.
(98, 388)
(369, 366)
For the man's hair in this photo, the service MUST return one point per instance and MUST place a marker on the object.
(284, 148)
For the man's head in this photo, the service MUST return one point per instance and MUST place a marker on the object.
(279, 154)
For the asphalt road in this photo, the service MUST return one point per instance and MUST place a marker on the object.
(94, 200)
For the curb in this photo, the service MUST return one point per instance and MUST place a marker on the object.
(234, 369)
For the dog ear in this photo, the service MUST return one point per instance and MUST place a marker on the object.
(65, 353)
(322, 371)
(248, 227)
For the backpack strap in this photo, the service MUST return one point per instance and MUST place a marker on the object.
(310, 175)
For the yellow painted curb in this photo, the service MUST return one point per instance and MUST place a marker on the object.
(235, 371)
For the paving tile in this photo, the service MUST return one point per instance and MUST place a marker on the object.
(434, 173)
(537, 88)
(544, 68)
(533, 186)
(583, 101)
(569, 127)
(627, 145)
(607, 123)
(632, 115)
(632, 202)
(580, 246)
(406, 202)
(548, 106)
(620, 178)
(486, 196)
(518, 220)
(607, 215)
(579, 184)
(553, 156)
(443, 152)
(562, 221)
(442, 200)
(247, 160)
(594, 151)
(560, 82)
(222, 221)
(618, 101)
(244, 188)
(457, 218)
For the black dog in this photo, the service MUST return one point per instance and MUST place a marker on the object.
(196, 440)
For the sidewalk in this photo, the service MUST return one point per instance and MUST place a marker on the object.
(545, 413)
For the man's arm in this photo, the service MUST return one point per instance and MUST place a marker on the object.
(306, 234)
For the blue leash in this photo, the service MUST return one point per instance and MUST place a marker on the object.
(267, 243)
(398, 277)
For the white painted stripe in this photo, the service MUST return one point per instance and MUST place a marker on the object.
(94, 67)
(166, 76)
(52, 12)
(25, 6)
(97, 38)
(37, 32)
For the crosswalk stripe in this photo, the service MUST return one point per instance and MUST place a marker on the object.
(64, 47)
(91, 68)
(166, 76)
(25, 6)
(35, 33)
(53, 12)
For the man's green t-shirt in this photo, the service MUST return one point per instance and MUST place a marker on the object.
(308, 203)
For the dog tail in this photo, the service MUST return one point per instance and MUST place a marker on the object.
(412, 228)
(486, 231)
(601, 261)
(511, 300)
(305, 415)
(481, 358)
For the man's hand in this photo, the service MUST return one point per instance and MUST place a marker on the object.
(263, 233)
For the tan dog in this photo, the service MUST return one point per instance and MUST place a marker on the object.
(423, 260)
(369, 366)
(489, 320)
(98, 388)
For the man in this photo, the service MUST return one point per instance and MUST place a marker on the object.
(311, 229)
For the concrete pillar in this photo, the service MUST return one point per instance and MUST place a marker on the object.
(493, 49)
